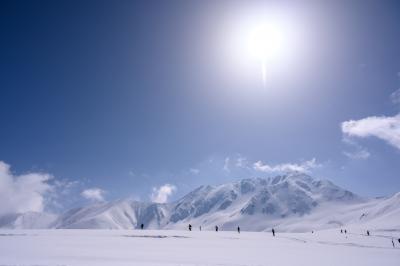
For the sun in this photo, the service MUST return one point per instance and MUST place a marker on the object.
(271, 42)
(267, 42)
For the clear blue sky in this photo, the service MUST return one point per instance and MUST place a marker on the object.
(129, 95)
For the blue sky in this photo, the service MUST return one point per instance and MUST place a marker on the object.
(127, 96)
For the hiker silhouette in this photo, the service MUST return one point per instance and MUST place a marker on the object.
(273, 232)
(238, 229)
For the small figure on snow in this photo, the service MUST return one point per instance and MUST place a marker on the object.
(345, 231)
(392, 242)
(399, 240)
(273, 232)
(200, 227)
(341, 231)
(367, 232)
(141, 226)
(216, 228)
(190, 227)
(238, 229)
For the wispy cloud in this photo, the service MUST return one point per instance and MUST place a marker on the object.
(356, 152)
(304, 167)
(360, 154)
(93, 194)
(386, 128)
(395, 97)
(161, 194)
(194, 171)
(226, 164)
(22, 193)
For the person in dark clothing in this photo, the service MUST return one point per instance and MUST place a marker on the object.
(238, 229)
(367, 233)
(341, 231)
(345, 231)
(273, 232)
(141, 226)
(216, 228)
(392, 242)
(190, 227)
(200, 227)
(399, 240)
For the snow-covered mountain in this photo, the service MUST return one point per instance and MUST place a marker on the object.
(294, 202)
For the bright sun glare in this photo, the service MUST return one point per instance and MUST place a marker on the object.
(270, 42)
(266, 42)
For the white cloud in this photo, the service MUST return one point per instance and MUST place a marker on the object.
(161, 194)
(395, 97)
(94, 194)
(304, 167)
(22, 193)
(386, 128)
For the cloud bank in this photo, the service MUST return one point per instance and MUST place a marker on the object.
(161, 194)
(93, 194)
(22, 193)
(386, 128)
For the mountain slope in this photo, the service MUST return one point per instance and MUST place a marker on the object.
(122, 214)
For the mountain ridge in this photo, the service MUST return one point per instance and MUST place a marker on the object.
(292, 202)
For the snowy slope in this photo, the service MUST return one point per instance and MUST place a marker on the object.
(121, 214)
(295, 202)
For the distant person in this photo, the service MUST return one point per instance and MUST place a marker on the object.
(216, 228)
(190, 227)
(312, 232)
(141, 226)
(398, 240)
(392, 242)
(341, 231)
(273, 232)
(200, 227)
(367, 233)
(345, 231)
(238, 229)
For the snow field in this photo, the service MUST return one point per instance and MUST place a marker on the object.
(171, 247)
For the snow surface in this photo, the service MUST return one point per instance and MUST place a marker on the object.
(72, 247)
